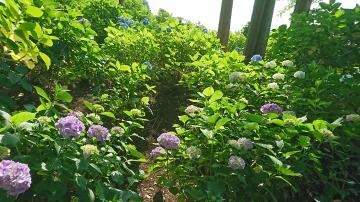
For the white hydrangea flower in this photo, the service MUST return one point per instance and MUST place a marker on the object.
(273, 85)
(287, 63)
(236, 76)
(353, 117)
(299, 74)
(271, 64)
(278, 76)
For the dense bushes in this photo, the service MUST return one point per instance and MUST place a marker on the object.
(328, 36)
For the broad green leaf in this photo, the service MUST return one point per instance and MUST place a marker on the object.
(221, 122)
(216, 96)
(145, 100)
(304, 141)
(34, 11)
(184, 118)
(108, 114)
(209, 91)
(46, 59)
(9, 139)
(80, 181)
(276, 161)
(89, 105)
(42, 93)
(288, 172)
(22, 117)
(252, 126)
(64, 96)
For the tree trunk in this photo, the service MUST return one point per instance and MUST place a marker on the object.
(224, 21)
(302, 6)
(259, 29)
(121, 2)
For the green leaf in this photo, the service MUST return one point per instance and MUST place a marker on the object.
(95, 167)
(134, 152)
(208, 91)
(304, 141)
(216, 96)
(22, 117)
(251, 126)
(276, 161)
(145, 100)
(46, 59)
(9, 139)
(184, 118)
(42, 93)
(80, 181)
(288, 172)
(221, 122)
(64, 96)
(34, 11)
(277, 122)
(89, 105)
(108, 114)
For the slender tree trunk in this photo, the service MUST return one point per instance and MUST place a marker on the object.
(259, 29)
(302, 6)
(225, 21)
(121, 2)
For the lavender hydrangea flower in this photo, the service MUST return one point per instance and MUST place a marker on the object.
(245, 143)
(100, 132)
(236, 162)
(256, 58)
(70, 126)
(157, 152)
(271, 108)
(15, 177)
(168, 141)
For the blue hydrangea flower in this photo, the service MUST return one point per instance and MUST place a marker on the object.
(204, 30)
(157, 152)
(124, 25)
(100, 132)
(238, 49)
(168, 29)
(82, 20)
(70, 126)
(15, 177)
(145, 21)
(121, 19)
(256, 58)
(129, 22)
(148, 64)
(271, 108)
(168, 141)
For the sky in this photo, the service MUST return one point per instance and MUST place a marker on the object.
(207, 11)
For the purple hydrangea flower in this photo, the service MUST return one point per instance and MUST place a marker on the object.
(15, 177)
(168, 141)
(271, 108)
(100, 132)
(70, 126)
(256, 58)
(236, 162)
(157, 152)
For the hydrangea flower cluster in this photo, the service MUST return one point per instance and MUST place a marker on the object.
(234, 144)
(204, 30)
(245, 143)
(148, 64)
(117, 130)
(168, 141)
(193, 152)
(287, 63)
(271, 64)
(70, 126)
(15, 177)
(327, 133)
(192, 109)
(100, 132)
(125, 22)
(299, 74)
(168, 29)
(256, 58)
(77, 114)
(145, 21)
(271, 108)
(273, 85)
(236, 77)
(236, 162)
(94, 117)
(278, 76)
(353, 117)
(237, 49)
(157, 152)
(89, 150)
